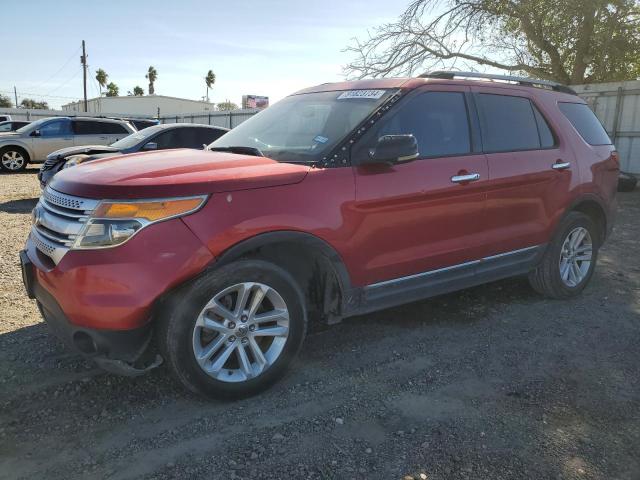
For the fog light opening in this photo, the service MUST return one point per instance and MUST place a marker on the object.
(84, 343)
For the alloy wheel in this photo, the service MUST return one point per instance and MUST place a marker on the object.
(12, 160)
(241, 332)
(576, 256)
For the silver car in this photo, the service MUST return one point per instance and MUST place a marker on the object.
(32, 144)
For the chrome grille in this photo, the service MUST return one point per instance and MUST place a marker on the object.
(58, 218)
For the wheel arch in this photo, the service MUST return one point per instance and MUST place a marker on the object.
(313, 262)
(18, 146)
(592, 206)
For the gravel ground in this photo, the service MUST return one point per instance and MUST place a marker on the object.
(493, 382)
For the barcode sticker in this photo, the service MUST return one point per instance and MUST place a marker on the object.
(366, 94)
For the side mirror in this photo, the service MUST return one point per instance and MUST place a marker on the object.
(150, 146)
(394, 149)
(35, 133)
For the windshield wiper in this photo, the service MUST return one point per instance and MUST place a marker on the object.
(240, 150)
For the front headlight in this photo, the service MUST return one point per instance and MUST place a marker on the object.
(74, 160)
(113, 223)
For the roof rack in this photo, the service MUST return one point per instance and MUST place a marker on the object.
(529, 82)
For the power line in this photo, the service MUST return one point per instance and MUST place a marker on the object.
(39, 95)
(59, 70)
(67, 82)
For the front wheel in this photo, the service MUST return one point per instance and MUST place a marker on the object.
(570, 258)
(234, 331)
(13, 159)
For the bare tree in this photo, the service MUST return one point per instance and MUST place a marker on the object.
(572, 41)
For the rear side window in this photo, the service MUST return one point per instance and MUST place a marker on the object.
(113, 128)
(585, 122)
(547, 140)
(86, 127)
(438, 120)
(508, 123)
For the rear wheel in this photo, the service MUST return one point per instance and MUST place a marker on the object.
(234, 331)
(568, 263)
(13, 159)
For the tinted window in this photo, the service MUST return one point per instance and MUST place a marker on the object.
(586, 123)
(207, 135)
(547, 139)
(55, 128)
(438, 120)
(113, 128)
(168, 139)
(87, 127)
(508, 123)
(5, 127)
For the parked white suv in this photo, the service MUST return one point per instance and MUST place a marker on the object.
(32, 144)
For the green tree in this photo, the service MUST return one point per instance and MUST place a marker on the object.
(5, 102)
(573, 41)
(112, 90)
(210, 79)
(101, 78)
(32, 104)
(152, 76)
(138, 91)
(227, 105)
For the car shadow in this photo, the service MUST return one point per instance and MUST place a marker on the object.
(24, 205)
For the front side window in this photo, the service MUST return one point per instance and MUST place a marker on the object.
(507, 123)
(304, 127)
(585, 122)
(169, 139)
(438, 120)
(55, 128)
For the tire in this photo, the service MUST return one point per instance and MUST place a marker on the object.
(627, 182)
(551, 277)
(182, 333)
(13, 159)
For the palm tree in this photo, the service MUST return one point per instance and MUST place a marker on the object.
(101, 77)
(210, 79)
(152, 76)
(112, 90)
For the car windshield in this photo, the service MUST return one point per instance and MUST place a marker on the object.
(303, 128)
(135, 138)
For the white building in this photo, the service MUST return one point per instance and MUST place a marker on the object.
(147, 105)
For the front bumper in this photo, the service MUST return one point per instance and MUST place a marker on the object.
(117, 288)
(114, 351)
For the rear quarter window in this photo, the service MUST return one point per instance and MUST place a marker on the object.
(585, 122)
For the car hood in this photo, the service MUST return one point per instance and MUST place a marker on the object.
(177, 172)
(83, 149)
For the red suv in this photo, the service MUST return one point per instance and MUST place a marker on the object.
(339, 200)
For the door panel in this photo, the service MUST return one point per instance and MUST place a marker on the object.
(54, 135)
(413, 217)
(524, 193)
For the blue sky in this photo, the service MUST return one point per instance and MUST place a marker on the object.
(254, 47)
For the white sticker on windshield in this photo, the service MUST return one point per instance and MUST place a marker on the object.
(368, 94)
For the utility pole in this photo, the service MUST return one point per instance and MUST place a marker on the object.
(83, 60)
(15, 94)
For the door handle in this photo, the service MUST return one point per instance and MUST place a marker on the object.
(469, 177)
(560, 165)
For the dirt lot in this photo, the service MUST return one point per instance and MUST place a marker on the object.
(493, 382)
